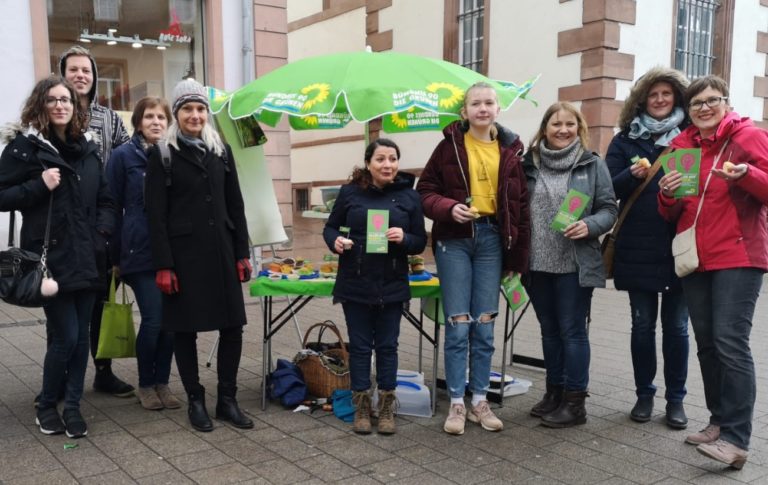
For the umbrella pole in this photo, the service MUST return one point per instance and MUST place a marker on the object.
(367, 129)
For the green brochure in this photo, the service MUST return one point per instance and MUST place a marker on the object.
(376, 235)
(570, 210)
(688, 163)
(514, 291)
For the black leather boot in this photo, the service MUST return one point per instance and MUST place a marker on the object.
(643, 409)
(571, 411)
(676, 418)
(228, 410)
(198, 415)
(551, 401)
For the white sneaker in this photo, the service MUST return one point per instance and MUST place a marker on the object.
(457, 416)
(483, 415)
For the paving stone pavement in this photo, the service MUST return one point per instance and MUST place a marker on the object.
(127, 444)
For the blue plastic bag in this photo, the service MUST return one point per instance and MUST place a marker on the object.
(286, 383)
(342, 405)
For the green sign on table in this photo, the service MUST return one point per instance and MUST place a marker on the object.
(514, 291)
(376, 234)
(570, 210)
(688, 163)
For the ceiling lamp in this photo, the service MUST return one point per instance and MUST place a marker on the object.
(111, 39)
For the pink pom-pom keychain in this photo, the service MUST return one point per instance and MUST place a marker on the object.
(49, 287)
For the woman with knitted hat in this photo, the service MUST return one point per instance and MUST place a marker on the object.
(199, 243)
(653, 115)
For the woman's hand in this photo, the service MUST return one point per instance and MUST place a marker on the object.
(51, 178)
(395, 235)
(339, 244)
(733, 174)
(670, 182)
(462, 214)
(638, 171)
(577, 230)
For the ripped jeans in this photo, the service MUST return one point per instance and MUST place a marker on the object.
(470, 274)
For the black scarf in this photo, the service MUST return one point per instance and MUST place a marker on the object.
(70, 149)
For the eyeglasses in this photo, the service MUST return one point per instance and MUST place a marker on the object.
(51, 102)
(712, 102)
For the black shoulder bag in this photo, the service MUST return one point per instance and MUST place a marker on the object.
(22, 272)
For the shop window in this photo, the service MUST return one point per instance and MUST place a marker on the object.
(703, 37)
(142, 47)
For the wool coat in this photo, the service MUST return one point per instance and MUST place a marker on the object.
(83, 209)
(197, 229)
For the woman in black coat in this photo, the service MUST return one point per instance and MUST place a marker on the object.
(49, 160)
(652, 116)
(199, 243)
(372, 287)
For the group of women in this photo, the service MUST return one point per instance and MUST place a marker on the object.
(174, 219)
(492, 207)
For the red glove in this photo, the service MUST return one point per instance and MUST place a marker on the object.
(244, 270)
(166, 280)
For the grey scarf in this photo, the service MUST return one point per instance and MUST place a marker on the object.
(645, 125)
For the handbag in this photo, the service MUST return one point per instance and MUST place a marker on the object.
(608, 245)
(24, 276)
(327, 370)
(684, 247)
(117, 339)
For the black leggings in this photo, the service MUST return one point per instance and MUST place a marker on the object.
(227, 358)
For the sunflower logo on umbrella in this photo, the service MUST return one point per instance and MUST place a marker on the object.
(321, 92)
(455, 94)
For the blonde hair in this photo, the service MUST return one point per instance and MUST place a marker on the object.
(479, 85)
(210, 137)
(582, 130)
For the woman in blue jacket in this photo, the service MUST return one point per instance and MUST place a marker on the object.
(652, 116)
(126, 170)
(372, 287)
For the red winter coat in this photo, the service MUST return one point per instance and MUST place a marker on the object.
(732, 230)
(442, 186)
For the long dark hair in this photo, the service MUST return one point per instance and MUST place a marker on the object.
(35, 113)
(361, 175)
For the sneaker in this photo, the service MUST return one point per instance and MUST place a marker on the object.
(75, 424)
(707, 435)
(149, 399)
(457, 416)
(482, 415)
(109, 383)
(49, 421)
(166, 397)
(724, 452)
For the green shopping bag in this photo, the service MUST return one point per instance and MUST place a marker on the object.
(117, 338)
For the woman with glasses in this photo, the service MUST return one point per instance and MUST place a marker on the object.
(732, 245)
(48, 160)
(653, 115)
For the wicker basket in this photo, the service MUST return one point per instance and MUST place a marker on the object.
(327, 371)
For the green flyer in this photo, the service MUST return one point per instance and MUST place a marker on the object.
(570, 210)
(688, 163)
(514, 291)
(376, 235)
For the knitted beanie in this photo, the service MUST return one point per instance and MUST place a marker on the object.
(188, 91)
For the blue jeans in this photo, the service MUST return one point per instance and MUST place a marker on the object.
(67, 317)
(722, 304)
(674, 342)
(154, 348)
(373, 327)
(470, 275)
(562, 307)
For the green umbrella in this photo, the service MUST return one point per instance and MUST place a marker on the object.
(410, 93)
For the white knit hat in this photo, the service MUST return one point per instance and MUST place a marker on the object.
(188, 91)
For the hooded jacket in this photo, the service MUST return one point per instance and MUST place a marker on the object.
(732, 229)
(443, 184)
(83, 208)
(104, 122)
(643, 259)
(376, 278)
(590, 176)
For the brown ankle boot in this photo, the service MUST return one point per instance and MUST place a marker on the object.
(362, 402)
(387, 405)
(551, 401)
(570, 413)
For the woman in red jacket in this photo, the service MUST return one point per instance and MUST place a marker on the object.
(474, 190)
(732, 244)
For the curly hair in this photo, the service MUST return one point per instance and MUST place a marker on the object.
(35, 112)
(361, 175)
(582, 130)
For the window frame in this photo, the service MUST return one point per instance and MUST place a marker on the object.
(722, 37)
(451, 40)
